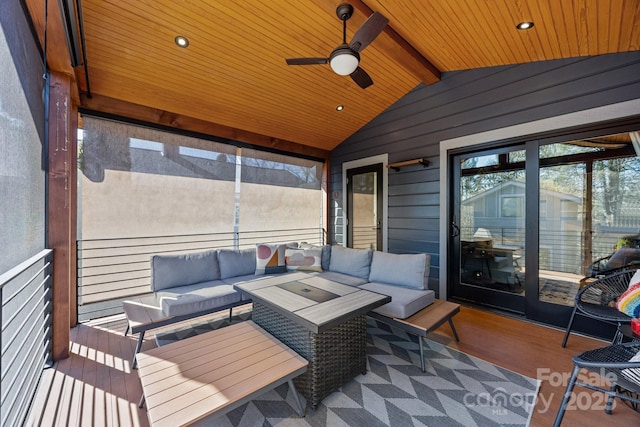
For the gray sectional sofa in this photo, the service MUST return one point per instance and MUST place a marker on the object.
(201, 282)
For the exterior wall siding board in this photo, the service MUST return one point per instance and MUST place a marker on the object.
(468, 102)
(415, 173)
(423, 235)
(414, 200)
(414, 211)
(406, 246)
(419, 175)
(414, 224)
(412, 188)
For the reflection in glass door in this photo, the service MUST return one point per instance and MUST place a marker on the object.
(490, 213)
(364, 207)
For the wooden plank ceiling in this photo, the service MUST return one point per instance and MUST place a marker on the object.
(233, 79)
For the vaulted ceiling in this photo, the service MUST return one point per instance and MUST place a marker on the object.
(232, 79)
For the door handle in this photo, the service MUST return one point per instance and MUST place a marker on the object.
(455, 230)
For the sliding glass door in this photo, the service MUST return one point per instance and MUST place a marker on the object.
(533, 222)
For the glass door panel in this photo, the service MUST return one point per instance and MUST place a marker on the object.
(591, 219)
(490, 237)
(364, 192)
(562, 232)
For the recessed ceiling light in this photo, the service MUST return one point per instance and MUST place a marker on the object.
(340, 108)
(526, 25)
(182, 41)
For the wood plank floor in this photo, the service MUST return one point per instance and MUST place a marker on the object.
(96, 386)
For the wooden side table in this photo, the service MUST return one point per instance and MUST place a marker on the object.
(423, 322)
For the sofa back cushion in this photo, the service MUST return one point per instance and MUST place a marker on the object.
(168, 271)
(354, 262)
(236, 262)
(407, 270)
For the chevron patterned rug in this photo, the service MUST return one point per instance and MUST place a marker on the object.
(456, 390)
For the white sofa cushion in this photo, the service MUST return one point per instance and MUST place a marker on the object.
(354, 262)
(202, 296)
(404, 301)
(407, 270)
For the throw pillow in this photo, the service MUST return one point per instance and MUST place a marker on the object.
(270, 258)
(326, 253)
(303, 259)
(629, 301)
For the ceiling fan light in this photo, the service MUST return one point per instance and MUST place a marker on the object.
(344, 62)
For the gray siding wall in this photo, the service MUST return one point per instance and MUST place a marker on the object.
(464, 103)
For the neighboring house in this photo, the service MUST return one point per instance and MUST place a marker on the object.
(626, 222)
(501, 211)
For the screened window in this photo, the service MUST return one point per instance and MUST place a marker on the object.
(22, 178)
(143, 191)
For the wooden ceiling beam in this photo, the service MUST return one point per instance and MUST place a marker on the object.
(114, 107)
(407, 56)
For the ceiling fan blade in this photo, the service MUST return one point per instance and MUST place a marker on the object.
(306, 61)
(361, 78)
(368, 31)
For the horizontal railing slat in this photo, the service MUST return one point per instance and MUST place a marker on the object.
(25, 322)
(18, 269)
(114, 269)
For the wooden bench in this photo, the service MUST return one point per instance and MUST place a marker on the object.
(210, 374)
(423, 322)
(142, 315)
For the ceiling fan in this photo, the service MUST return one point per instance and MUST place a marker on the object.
(345, 58)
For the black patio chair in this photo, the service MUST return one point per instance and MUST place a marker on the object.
(612, 363)
(622, 259)
(597, 300)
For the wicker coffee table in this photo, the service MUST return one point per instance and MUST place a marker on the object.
(321, 320)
